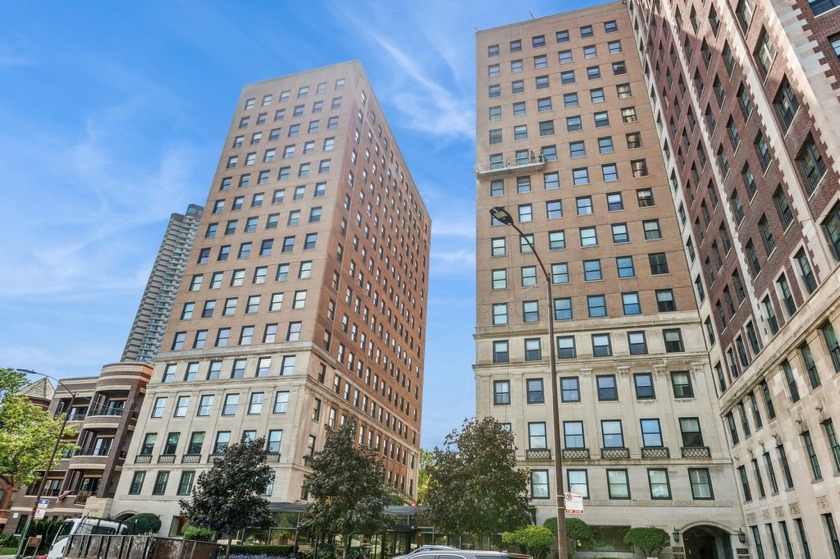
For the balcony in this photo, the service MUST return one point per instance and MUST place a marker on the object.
(191, 459)
(514, 165)
(93, 451)
(655, 452)
(166, 459)
(107, 410)
(696, 452)
(214, 456)
(575, 454)
(616, 453)
(272, 456)
(538, 454)
(143, 459)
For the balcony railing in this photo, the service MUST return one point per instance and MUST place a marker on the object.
(537, 454)
(191, 459)
(696, 452)
(92, 451)
(575, 454)
(143, 459)
(214, 456)
(107, 410)
(533, 162)
(655, 452)
(617, 453)
(166, 459)
(272, 456)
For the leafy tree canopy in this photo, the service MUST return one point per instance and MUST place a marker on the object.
(650, 540)
(28, 433)
(578, 532)
(474, 484)
(426, 458)
(347, 488)
(228, 496)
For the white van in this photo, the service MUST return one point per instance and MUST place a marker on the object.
(81, 526)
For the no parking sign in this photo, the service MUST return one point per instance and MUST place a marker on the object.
(574, 503)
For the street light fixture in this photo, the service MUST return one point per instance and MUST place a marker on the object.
(43, 481)
(501, 215)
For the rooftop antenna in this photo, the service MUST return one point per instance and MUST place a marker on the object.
(531, 14)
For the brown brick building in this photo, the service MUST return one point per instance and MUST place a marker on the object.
(105, 411)
(734, 104)
(304, 300)
(567, 143)
(745, 98)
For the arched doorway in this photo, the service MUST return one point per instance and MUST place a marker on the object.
(707, 542)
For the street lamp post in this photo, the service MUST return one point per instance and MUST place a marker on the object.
(43, 482)
(503, 216)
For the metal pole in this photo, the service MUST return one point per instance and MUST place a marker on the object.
(22, 546)
(562, 547)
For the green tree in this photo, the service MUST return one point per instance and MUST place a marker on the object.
(578, 533)
(143, 523)
(347, 489)
(650, 540)
(536, 541)
(474, 484)
(28, 433)
(228, 497)
(426, 459)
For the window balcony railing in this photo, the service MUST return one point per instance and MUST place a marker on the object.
(575, 454)
(615, 453)
(191, 459)
(696, 452)
(92, 451)
(166, 459)
(530, 163)
(538, 454)
(272, 456)
(107, 410)
(143, 459)
(655, 452)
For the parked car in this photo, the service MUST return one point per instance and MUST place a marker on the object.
(422, 549)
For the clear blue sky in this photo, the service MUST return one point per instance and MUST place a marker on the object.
(112, 117)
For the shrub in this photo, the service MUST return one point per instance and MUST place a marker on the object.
(578, 532)
(650, 540)
(143, 523)
(197, 533)
(536, 540)
(9, 540)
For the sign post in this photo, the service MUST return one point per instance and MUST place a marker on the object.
(574, 503)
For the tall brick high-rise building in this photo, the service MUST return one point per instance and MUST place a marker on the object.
(701, 131)
(745, 100)
(303, 303)
(567, 144)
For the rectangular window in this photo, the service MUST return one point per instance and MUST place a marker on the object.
(660, 488)
(501, 392)
(618, 484)
(570, 390)
(607, 388)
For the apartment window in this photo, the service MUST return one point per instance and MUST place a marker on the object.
(560, 273)
(624, 267)
(501, 352)
(651, 433)
(556, 240)
(658, 263)
(830, 338)
(620, 233)
(813, 460)
(580, 177)
(673, 340)
(611, 433)
(607, 389)
(535, 387)
(833, 443)
(630, 303)
(831, 228)
(597, 305)
(762, 148)
(645, 197)
(554, 209)
(293, 333)
(566, 347)
(501, 392)
(764, 53)
(701, 483)
(500, 313)
(609, 172)
(255, 403)
(811, 162)
(637, 343)
(530, 311)
(602, 119)
(658, 482)
(539, 484)
(643, 383)
(570, 392)
(786, 294)
(783, 207)
(601, 345)
(665, 300)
